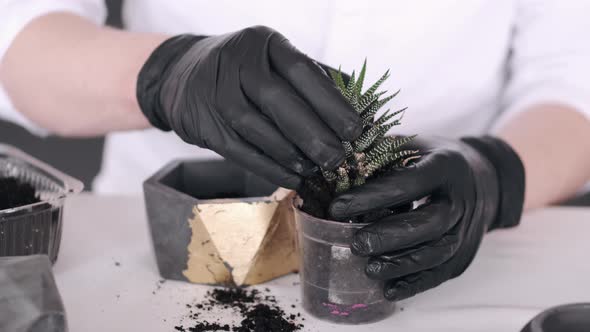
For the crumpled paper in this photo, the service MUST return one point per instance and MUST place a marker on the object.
(29, 299)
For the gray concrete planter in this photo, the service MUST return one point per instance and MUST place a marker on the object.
(212, 222)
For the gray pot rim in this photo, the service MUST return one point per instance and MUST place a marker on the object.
(155, 180)
(536, 324)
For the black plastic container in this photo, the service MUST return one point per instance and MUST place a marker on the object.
(563, 318)
(34, 228)
(333, 280)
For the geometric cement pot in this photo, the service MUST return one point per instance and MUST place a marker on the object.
(213, 222)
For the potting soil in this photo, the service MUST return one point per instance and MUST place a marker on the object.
(258, 313)
(15, 193)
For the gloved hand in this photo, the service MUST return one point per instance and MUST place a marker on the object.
(253, 98)
(474, 185)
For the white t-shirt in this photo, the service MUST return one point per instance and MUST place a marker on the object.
(461, 65)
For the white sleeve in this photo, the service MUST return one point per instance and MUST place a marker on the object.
(550, 59)
(15, 15)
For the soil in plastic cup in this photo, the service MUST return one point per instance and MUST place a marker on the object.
(334, 284)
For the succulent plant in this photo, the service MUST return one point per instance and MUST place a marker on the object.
(373, 152)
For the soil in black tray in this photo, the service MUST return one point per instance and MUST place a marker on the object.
(255, 312)
(15, 193)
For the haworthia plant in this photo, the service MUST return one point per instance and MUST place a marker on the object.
(373, 151)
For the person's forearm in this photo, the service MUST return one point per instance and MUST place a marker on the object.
(74, 78)
(553, 142)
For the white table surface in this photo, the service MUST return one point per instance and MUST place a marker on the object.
(516, 274)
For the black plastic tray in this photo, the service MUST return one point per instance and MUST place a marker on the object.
(35, 228)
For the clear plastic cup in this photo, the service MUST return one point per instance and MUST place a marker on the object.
(333, 280)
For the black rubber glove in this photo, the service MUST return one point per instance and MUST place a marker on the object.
(474, 185)
(253, 98)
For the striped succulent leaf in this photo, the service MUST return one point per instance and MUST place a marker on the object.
(380, 148)
(399, 141)
(348, 93)
(370, 112)
(366, 139)
(337, 78)
(384, 128)
(387, 145)
(386, 116)
(367, 100)
(348, 149)
(385, 160)
(376, 85)
(356, 95)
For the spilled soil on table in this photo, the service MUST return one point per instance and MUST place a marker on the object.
(259, 312)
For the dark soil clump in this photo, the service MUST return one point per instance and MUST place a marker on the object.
(202, 327)
(263, 318)
(316, 197)
(15, 193)
(258, 313)
(234, 295)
